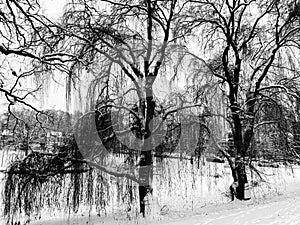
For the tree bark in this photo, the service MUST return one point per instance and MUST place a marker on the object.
(242, 179)
(146, 162)
(241, 149)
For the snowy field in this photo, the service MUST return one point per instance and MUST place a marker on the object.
(277, 209)
(283, 209)
(264, 208)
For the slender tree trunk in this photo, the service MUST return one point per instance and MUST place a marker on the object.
(145, 175)
(146, 161)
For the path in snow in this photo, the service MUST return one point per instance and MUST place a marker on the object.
(285, 211)
(280, 210)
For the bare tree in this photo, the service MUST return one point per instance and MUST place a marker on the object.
(251, 47)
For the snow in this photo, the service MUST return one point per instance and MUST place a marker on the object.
(283, 209)
(279, 210)
(196, 196)
(272, 209)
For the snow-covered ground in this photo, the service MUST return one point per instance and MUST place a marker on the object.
(201, 202)
(282, 209)
(279, 210)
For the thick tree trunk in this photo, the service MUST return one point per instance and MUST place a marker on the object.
(241, 145)
(244, 144)
(237, 189)
(242, 179)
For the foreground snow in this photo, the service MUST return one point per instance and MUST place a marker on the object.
(282, 209)
(194, 204)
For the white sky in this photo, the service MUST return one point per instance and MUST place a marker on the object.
(56, 93)
(56, 98)
(53, 8)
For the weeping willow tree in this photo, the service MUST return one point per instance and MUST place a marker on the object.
(27, 180)
(121, 49)
(125, 47)
(114, 43)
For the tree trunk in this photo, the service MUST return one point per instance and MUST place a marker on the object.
(239, 168)
(245, 142)
(145, 177)
(146, 162)
(242, 179)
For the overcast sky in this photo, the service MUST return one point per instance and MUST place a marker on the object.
(56, 93)
(53, 8)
